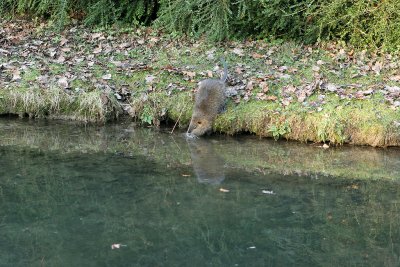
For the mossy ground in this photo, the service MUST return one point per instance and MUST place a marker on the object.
(99, 76)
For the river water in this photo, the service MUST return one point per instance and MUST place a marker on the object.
(119, 195)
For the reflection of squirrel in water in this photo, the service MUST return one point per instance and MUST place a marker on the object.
(207, 164)
(209, 101)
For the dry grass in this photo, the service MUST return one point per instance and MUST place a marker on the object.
(56, 103)
(373, 124)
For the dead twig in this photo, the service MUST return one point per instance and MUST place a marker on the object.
(180, 115)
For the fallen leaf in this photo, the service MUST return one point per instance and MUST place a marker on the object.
(330, 87)
(97, 35)
(60, 59)
(116, 246)
(97, 50)
(42, 79)
(264, 86)
(16, 75)
(272, 98)
(150, 79)
(106, 76)
(315, 68)
(190, 74)
(377, 67)
(238, 70)
(283, 68)
(285, 76)
(392, 89)
(63, 41)
(124, 45)
(118, 96)
(120, 64)
(63, 82)
(290, 88)
(52, 52)
(367, 92)
(256, 55)
(268, 192)
(210, 53)
(3, 51)
(154, 39)
(261, 96)
(66, 49)
(238, 51)
(286, 102)
(250, 85)
(301, 97)
(395, 78)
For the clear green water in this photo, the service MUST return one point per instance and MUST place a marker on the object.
(68, 192)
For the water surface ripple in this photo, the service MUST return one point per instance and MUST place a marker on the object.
(68, 192)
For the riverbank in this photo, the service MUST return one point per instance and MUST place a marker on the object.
(328, 93)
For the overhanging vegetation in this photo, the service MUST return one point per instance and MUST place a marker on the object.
(367, 24)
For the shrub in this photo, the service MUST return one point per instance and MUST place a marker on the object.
(104, 12)
(221, 19)
(278, 18)
(362, 23)
(197, 17)
(57, 9)
(96, 12)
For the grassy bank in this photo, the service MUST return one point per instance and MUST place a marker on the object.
(328, 93)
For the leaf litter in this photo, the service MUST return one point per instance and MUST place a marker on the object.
(78, 59)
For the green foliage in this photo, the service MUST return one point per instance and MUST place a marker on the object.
(102, 12)
(362, 23)
(279, 130)
(278, 18)
(197, 17)
(221, 19)
(147, 115)
(54, 9)
(95, 12)
(105, 12)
